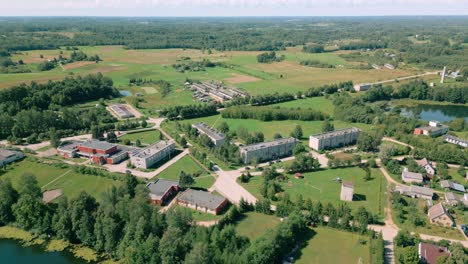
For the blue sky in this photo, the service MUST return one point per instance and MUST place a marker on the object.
(232, 7)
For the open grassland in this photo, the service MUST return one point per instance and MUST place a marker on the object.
(188, 165)
(255, 224)
(322, 186)
(243, 70)
(146, 137)
(51, 177)
(270, 128)
(326, 245)
(316, 103)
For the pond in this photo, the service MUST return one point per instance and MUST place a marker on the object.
(125, 93)
(12, 251)
(443, 113)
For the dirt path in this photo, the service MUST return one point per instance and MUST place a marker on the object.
(56, 179)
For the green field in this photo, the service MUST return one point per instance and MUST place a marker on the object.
(200, 216)
(255, 224)
(122, 64)
(188, 165)
(270, 128)
(321, 186)
(50, 177)
(326, 245)
(146, 137)
(316, 103)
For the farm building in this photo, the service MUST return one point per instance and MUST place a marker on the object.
(434, 129)
(8, 156)
(411, 177)
(337, 138)
(202, 201)
(265, 151)
(347, 191)
(100, 152)
(121, 111)
(446, 184)
(451, 199)
(427, 166)
(457, 141)
(216, 137)
(438, 215)
(161, 191)
(147, 157)
(415, 191)
(362, 87)
(429, 253)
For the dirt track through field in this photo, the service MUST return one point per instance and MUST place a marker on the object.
(56, 179)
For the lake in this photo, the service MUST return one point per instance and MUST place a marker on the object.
(11, 251)
(125, 93)
(443, 113)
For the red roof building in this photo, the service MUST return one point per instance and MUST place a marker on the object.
(428, 253)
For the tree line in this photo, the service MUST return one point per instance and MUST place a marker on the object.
(189, 111)
(272, 113)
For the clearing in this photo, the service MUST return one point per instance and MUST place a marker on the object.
(255, 224)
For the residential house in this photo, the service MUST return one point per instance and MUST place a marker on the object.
(451, 199)
(439, 215)
(446, 184)
(429, 253)
(362, 87)
(427, 166)
(411, 177)
(161, 191)
(8, 156)
(202, 201)
(415, 191)
(347, 191)
(457, 141)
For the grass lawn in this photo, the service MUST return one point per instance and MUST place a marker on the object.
(255, 224)
(188, 165)
(50, 177)
(200, 216)
(146, 137)
(321, 186)
(326, 245)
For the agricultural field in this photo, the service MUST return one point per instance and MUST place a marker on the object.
(243, 71)
(322, 186)
(146, 137)
(52, 177)
(322, 245)
(188, 165)
(255, 224)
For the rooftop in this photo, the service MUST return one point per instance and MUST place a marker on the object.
(436, 211)
(152, 149)
(159, 188)
(96, 144)
(448, 137)
(431, 252)
(452, 185)
(336, 133)
(412, 175)
(202, 199)
(121, 110)
(416, 190)
(450, 196)
(6, 153)
(346, 184)
(209, 131)
(261, 145)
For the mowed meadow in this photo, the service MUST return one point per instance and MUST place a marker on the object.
(242, 69)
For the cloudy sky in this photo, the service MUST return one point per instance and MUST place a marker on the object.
(231, 7)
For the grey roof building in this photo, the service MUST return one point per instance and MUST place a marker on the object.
(161, 190)
(347, 191)
(415, 191)
(147, 157)
(334, 139)
(457, 141)
(409, 177)
(216, 137)
(268, 150)
(452, 185)
(121, 111)
(451, 199)
(8, 156)
(202, 201)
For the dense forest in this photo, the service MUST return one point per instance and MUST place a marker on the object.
(35, 108)
(438, 41)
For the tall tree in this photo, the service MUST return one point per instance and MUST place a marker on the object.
(8, 197)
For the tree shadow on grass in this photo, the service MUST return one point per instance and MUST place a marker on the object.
(303, 241)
